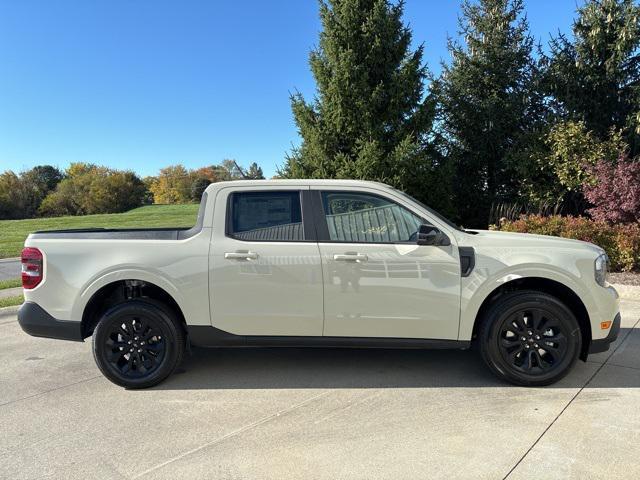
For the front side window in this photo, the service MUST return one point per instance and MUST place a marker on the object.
(266, 216)
(364, 218)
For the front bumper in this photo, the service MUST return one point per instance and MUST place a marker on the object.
(35, 321)
(602, 345)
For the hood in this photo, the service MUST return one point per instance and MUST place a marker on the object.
(496, 238)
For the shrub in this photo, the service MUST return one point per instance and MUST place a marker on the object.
(574, 150)
(615, 191)
(621, 242)
(90, 189)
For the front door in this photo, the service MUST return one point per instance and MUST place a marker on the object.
(265, 276)
(377, 281)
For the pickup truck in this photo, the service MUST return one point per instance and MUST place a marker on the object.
(318, 263)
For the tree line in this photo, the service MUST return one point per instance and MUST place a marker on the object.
(84, 189)
(507, 127)
(507, 122)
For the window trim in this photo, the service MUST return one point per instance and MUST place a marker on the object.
(308, 228)
(322, 226)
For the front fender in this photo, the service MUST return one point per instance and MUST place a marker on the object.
(480, 285)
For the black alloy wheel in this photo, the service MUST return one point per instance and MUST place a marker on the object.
(532, 341)
(138, 343)
(136, 347)
(529, 338)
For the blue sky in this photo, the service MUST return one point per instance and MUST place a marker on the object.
(142, 84)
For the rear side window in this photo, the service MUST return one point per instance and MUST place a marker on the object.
(265, 216)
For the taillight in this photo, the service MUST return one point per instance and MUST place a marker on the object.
(31, 267)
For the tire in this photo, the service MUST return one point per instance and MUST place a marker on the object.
(138, 343)
(529, 338)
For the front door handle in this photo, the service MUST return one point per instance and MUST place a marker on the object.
(241, 255)
(350, 257)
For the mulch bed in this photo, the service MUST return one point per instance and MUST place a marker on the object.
(625, 278)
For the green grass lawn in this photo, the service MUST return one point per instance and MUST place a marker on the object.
(13, 283)
(14, 232)
(11, 301)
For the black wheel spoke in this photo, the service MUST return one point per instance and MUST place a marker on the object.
(515, 354)
(112, 344)
(116, 356)
(552, 353)
(539, 360)
(537, 319)
(135, 347)
(547, 359)
(510, 342)
(518, 323)
(124, 332)
(532, 341)
(528, 360)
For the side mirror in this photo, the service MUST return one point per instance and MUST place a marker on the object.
(430, 235)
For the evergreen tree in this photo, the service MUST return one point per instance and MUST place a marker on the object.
(198, 187)
(370, 118)
(254, 172)
(595, 77)
(488, 106)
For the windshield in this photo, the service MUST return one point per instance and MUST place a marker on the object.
(430, 210)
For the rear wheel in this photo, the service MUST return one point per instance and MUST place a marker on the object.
(138, 343)
(529, 338)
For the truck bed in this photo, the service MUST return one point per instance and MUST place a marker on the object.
(177, 233)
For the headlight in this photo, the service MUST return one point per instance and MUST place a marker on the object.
(601, 268)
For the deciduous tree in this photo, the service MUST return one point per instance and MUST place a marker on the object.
(172, 185)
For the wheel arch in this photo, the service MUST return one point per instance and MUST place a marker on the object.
(120, 291)
(551, 287)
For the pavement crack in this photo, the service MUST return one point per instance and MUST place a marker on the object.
(622, 366)
(570, 401)
(233, 433)
(49, 391)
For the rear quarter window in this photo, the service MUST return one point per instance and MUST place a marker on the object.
(265, 216)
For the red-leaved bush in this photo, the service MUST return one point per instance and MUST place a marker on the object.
(621, 241)
(615, 191)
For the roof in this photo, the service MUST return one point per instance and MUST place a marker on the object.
(302, 181)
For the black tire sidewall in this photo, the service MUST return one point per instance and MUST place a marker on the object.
(506, 307)
(172, 333)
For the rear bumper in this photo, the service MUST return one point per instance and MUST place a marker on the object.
(35, 321)
(602, 345)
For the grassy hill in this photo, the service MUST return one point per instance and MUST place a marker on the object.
(14, 232)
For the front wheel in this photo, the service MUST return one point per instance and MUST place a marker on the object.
(138, 343)
(529, 338)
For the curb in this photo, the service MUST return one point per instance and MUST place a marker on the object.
(627, 292)
(9, 311)
(11, 292)
(8, 260)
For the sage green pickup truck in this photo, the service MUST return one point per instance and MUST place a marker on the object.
(318, 263)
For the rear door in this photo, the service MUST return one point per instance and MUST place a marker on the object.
(377, 281)
(265, 274)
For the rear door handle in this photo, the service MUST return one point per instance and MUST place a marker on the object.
(350, 257)
(241, 255)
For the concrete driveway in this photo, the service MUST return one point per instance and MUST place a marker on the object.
(316, 414)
